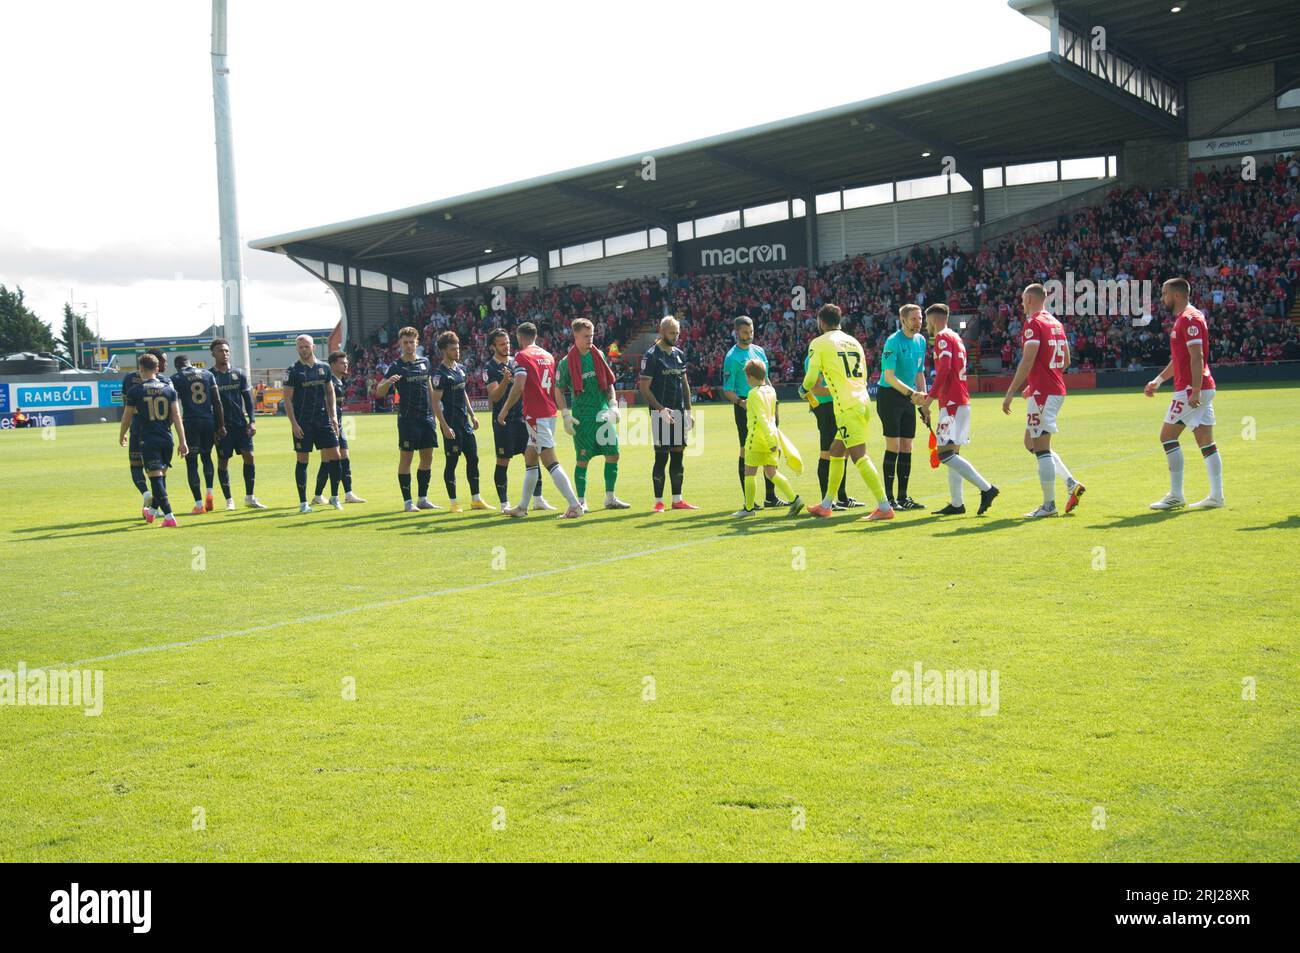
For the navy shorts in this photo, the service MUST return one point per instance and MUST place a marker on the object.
(316, 436)
(419, 433)
(157, 453)
(465, 441)
(133, 448)
(200, 435)
(510, 439)
(236, 440)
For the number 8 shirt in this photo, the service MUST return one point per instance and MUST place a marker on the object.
(1045, 392)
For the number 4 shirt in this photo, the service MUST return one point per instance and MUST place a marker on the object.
(539, 384)
(1046, 376)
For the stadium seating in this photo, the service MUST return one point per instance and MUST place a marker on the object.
(1237, 241)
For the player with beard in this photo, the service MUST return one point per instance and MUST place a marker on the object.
(510, 438)
(666, 390)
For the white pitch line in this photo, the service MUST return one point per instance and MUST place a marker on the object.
(387, 603)
(320, 617)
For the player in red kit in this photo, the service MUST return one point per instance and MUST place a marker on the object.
(533, 374)
(1045, 355)
(949, 389)
(1193, 403)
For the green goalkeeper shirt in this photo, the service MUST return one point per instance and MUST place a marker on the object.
(592, 400)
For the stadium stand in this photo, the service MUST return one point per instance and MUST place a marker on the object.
(1240, 244)
(1144, 167)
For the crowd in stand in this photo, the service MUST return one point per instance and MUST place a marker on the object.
(617, 312)
(1236, 240)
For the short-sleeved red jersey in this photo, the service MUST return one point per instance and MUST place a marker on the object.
(1188, 330)
(539, 384)
(1047, 375)
(950, 369)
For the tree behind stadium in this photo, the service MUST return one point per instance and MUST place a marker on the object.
(20, 328)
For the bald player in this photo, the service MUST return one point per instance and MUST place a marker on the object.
(1044, 358)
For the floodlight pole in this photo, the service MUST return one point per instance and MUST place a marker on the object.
(231, 264)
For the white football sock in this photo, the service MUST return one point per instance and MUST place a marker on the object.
(967, 469)
(1214, 467)
(1047, 476)
(1174, 457)
(1062, 470)
(531, 476)
(561, 481)
(955, 493)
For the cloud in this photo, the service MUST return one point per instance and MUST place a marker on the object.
(129, 263)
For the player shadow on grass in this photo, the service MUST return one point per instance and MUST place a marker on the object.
(126, 528)
(458, 525)
(710, 519)
(978, 525)
(748, 525)
(1290, 522)
(42, 529)
(363, 519)
(1140, 519)
(239, 516)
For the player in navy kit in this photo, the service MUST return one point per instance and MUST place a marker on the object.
(197, 390)
(236, 437)
(153, 400)
(666, 390)
(417, 430)
(339, 366)
(313, 416)
(456, 420)
(133, 448)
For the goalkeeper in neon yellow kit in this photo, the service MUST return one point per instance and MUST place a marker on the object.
(765, 445)
(838, 358)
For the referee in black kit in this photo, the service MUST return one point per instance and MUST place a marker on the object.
(735, 388)
(902, 373)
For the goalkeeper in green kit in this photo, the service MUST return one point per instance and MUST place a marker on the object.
(584, 378)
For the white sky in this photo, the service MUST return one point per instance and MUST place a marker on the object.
(343, 109)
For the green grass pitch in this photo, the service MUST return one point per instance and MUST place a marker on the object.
(674, 687)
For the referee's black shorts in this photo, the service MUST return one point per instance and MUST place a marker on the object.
(825, 414)
(742, 425)
(897, 413)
